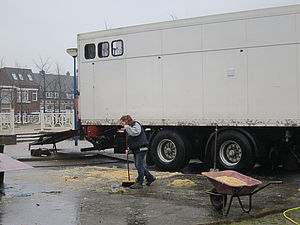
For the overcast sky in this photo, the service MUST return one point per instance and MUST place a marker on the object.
(30, 29)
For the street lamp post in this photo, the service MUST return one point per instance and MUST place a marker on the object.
(73, 52)
(42, 72)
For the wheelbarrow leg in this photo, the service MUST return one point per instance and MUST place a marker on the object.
(242, 206)
(225, 212)
(54, 148)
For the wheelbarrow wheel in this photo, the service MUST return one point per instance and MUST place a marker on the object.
(217, 200)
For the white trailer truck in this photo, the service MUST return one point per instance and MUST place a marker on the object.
(180, 79)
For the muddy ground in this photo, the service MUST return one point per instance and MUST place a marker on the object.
(89, 194)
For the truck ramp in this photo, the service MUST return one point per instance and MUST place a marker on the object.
(53, 138)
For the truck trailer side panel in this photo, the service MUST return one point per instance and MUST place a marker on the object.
(272, 83)
(199, 74)
(226, 83)
(144, 88)
(183, 86)
(110, 88)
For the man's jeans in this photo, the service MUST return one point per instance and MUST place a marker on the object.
(139, 165)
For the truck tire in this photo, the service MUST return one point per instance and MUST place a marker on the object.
(234, 151)
(170, 151)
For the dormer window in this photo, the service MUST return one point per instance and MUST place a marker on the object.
(14, 76)
(29, 77)
(21, 77)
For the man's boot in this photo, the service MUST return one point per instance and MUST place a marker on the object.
(150, 181)
(136, 185)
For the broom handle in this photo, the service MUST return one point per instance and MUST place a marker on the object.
(127, 156)
(128, 168)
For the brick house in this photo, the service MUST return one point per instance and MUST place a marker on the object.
(18, 91)
(58, 95)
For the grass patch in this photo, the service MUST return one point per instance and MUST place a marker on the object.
(276, 218)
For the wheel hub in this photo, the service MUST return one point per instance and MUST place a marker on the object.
(166, 150)
(230, 153)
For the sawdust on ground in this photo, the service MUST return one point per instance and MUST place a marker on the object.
(182, 183)
(97, 178)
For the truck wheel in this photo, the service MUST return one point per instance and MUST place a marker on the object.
(170, 151)
(234, 151)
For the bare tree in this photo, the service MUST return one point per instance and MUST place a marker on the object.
(6, 97)
(174, 17)
(17, 64)
(58, 86)
(44, 66)
(2, 62)
(107, 26)
(22, 94)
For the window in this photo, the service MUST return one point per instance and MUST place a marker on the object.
(89, 51)
(24, 94)
(117, 48)
(49, 108)
(103, 49)
(5, 110)
(49, 94)
(19, 96)
(21, 77)
(5, 96)
(29, 77)
(34, 96)
(56, 95)
(69, 95)
(14, 76)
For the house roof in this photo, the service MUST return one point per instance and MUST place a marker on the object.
(25, 78)
(18, 77)
(54, 82)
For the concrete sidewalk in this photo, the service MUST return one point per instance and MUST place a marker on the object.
(21, 151)
(65, 150)
(23, 129)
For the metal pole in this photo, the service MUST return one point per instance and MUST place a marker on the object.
(1, 173)
(44, 91)
(75, 100)
(215, 152)
(12, 120)
(42, 120)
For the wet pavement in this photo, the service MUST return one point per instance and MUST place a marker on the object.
(80, 191)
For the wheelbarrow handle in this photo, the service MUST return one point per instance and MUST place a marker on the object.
(266, 185)
(276, 182)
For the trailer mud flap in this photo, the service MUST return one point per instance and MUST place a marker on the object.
(120, 143)
(292, 160)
